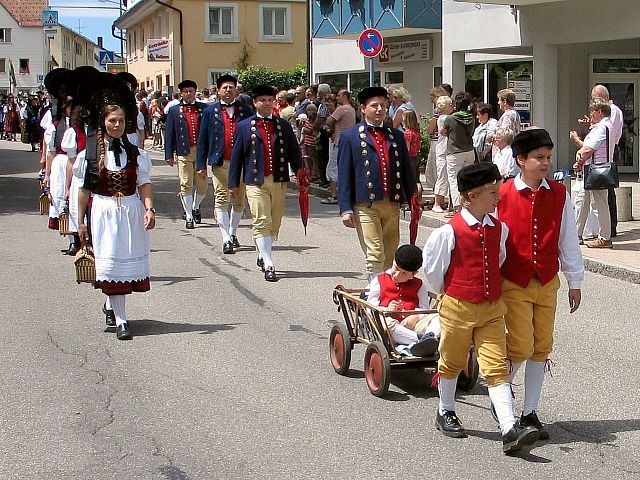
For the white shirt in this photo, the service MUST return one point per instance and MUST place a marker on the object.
(505, 162)
(570, 256)
(70, 143)
(437, 251)
(617, 123)
(170, 104)
(596, 139)
(424, 300)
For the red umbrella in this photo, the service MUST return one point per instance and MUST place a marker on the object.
(416, 213)
(303, 196)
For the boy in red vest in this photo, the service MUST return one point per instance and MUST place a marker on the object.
(462, 260)
(399, 289)
(543, 237)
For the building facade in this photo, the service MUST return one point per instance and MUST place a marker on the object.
(69, 49)
(201, 40)
(22, 44)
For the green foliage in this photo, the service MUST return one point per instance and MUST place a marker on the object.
(243, 61)
(425, 118)
(255, 75)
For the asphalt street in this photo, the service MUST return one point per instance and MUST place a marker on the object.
(228, 376)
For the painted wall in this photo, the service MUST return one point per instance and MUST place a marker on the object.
(26, 42)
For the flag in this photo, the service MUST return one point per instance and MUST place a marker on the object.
(12, 76)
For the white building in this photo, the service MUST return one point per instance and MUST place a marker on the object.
(23, 43)
(571, 45)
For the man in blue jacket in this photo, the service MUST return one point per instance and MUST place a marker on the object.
(375, 179)
(181, 137)
(263, 149)
(217, 135)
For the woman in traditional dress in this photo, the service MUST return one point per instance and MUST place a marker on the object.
(122, 200)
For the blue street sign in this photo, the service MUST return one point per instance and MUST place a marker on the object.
(370, 42)
(105, 56)
(49, 18)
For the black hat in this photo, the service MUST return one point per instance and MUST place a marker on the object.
(100, 89)
(226, 78)
(370, 92)
(409, 258)
(128, 78)
(49, 77)
(187, 84)
(477, 175)
(58, 84)
(530, 139)
(76, 77)
(260, 90)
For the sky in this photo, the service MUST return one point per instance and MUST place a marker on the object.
(93, 22)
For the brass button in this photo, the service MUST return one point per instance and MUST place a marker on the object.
(372, 196)
(364, 152)
(367, 173)
(370, 185)
(366, 163)
(397, 197)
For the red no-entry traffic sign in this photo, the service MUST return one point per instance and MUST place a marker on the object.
(370, 42)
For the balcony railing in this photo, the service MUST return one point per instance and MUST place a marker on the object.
(332, 18)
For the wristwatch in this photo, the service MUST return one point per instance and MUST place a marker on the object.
(151, 210)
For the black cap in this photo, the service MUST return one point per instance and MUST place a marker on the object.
(260, 90)
(187, 84)
(226, 78)
(128, 78)
(370, 92)
(409, 258)
(530, 139)
(477, 175)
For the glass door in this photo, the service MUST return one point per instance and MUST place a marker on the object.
(625, 96)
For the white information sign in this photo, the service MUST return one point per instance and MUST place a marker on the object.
(158, 50)
(414, 51)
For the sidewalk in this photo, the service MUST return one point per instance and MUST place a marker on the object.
(621, 262)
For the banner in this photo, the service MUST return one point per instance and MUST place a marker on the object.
(12, 76)
(158, 50)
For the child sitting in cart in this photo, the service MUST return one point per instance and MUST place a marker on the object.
(399, 289)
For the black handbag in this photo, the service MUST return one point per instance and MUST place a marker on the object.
(601, 176)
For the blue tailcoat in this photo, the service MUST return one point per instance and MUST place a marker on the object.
(360, 178)
(176, 131)
(247, 156)
(211, 138)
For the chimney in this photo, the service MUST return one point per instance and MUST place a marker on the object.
(100, 42)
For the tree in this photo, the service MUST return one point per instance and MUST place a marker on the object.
(255, 75)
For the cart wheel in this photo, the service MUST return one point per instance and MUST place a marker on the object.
(340, 349)
(377, 369)
(469, 376)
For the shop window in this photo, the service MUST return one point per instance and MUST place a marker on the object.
(361, 80)
(335, 80)
(392, 78)
(616, 65)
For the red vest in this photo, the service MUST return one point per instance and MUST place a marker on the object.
(81, 138)
(382, 149)
(405, 294)
(267, 129)
(474, 271)
(534, 220)
(229, 130)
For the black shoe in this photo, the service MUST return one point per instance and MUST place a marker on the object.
(270, 274)
(189, 225)
(197, 216)
(72, 250)
(531, 420)
(427, 346)
(227, 247)
(122, 332)
(184, 216)
(234, 240)
(450, 425)
(109, 316)
(518, 437)
(260, 263)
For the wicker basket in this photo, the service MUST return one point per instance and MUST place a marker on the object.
(85, 266)
(44, 204)
(63, 222)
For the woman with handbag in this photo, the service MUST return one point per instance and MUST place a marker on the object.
(117, 178)
(596, 150)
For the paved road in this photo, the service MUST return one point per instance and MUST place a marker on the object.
(228, 376)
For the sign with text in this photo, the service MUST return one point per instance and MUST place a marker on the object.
(413, 51)
(521, 86)
(158, 50)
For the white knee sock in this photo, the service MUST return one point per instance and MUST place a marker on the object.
(223, 224)
(264, 247)
(235, 221)
(515, 366)
(533, 379)
(402, 335)
(447, 392)
(197, 200)
(187, 202)
(117, 303)
(108, 303)
(500, 396)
